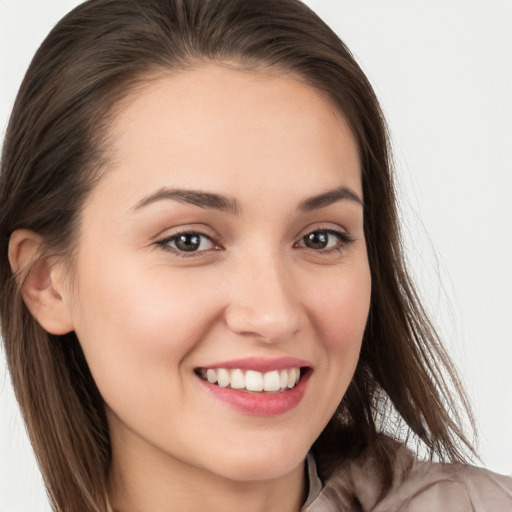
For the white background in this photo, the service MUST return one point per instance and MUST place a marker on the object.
(443, 72)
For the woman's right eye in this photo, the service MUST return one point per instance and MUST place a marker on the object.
(187, 243)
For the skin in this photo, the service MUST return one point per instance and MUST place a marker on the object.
(147, 317)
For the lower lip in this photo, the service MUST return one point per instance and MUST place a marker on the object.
(260, 404)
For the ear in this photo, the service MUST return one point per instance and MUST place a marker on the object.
(42, 284)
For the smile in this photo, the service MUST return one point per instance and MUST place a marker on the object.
(275, 381)
(257, 386)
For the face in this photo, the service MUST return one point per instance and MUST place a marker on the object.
(221, 260)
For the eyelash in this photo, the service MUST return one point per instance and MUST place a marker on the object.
(344, 239)
(164, 244)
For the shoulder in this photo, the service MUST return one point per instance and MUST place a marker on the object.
(417, 486)
(431, 487)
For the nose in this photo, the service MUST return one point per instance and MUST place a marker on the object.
(265, 302)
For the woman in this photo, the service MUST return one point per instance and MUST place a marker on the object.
(203, 275)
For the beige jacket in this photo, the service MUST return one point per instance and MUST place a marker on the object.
(417, 487)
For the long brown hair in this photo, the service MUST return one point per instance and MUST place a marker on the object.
(55, 150)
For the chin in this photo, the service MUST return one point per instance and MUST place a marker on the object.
(262, 463)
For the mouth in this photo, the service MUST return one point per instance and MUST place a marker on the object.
(253, 381)
(257, 386)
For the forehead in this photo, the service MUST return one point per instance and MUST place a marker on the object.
(211, 126)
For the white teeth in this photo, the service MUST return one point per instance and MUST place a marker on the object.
(271, 381)
(223, 378)
(283, 378)
(253, 380)
(291, 378)
(237, 379)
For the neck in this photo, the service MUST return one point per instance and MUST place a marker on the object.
(159, 483)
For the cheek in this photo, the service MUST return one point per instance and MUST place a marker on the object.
(338, 314)
(341, 311)
(136, 324)
(141, 306)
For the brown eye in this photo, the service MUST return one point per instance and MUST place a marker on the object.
(317, 239)
(188, 242)
(325, 240)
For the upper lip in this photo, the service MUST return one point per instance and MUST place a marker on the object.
(260, 364)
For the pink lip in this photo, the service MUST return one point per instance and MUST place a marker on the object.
(261, 364)
(260, 404)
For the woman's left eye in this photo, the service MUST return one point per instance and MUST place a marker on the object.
(189, 242)
(325, 240)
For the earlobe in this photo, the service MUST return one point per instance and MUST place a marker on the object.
(42, 286)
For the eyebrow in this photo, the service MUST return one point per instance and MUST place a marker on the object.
(209, 200)
(330, 197)
(195, 197)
